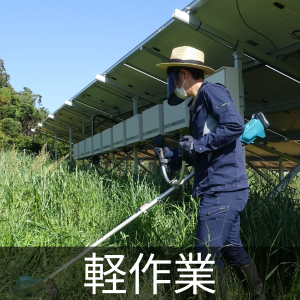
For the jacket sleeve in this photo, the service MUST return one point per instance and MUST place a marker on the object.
(219, 104)
(175, 162)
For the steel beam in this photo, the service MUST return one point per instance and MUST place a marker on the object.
(274, 108)
(282, 51)
(159, 56)
(266, 158)
(146, 153)
(106, 80)
(258, 171)
(124, 158)
(53, 117)
(233, 42)
(284, 155)
(87, 109)
(285, 181)
(142, 166)
(43, 132)
(59, 129)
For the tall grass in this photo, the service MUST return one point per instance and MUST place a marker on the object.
(46, 204)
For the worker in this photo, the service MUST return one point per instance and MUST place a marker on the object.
(214, 149)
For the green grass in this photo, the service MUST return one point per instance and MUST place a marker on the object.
(46, 204)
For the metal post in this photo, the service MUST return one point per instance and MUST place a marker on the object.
(82, 127)
(46, 143)
(55, 146)
(281, 172)
(135, 104)
(136, 159)
(182, 186)
(135, 167)
(238, 56)
(155, 170)
(113, 160)
(70, 143)
(92, 126)
(238, 63)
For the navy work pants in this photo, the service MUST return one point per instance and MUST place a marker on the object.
(218, 228)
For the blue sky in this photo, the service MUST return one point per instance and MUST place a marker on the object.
(56, 48)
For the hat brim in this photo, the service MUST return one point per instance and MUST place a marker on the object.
(165, 66)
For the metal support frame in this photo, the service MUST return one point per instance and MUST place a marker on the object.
(46, 141)
(83, 127)
(55, 146)
(238, 56)
(285, 181)
(53, 117)
(284, 155)
(43, 132)
(238, 63)
(136, 159)
(143, 167)
(266, 158)
(107, 80)
(118, 164)
(183, 185)
(281, 51)
(280, 171)
(148, 154)
(259, 172)
(70, 144)
(85, 108)
(232, 42)
(161, 57)
(274, 108)
(58, 129)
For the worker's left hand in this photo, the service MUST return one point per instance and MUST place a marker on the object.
(186, 147)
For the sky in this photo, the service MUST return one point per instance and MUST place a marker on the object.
(56, 48)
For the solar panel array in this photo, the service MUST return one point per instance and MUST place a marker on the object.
(111, 95)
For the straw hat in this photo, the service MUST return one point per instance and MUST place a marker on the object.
(186, 56)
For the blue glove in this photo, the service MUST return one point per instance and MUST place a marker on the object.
(186, 147)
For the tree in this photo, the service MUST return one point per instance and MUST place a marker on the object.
(4, 77)
(19, 112)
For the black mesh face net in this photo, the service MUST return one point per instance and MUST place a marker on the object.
(173, 75)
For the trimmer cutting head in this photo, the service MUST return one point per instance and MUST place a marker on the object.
(27, 285)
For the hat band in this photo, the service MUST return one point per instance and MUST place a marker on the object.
(187, 61)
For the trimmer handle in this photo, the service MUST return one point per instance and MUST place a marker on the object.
(161, 158)
(158, 141)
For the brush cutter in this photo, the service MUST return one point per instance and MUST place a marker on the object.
(27, 285)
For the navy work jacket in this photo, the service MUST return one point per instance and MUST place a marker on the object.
(216, 127)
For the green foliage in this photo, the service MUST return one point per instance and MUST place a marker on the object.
(19, 112)
(4, 77)
(46, 204)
